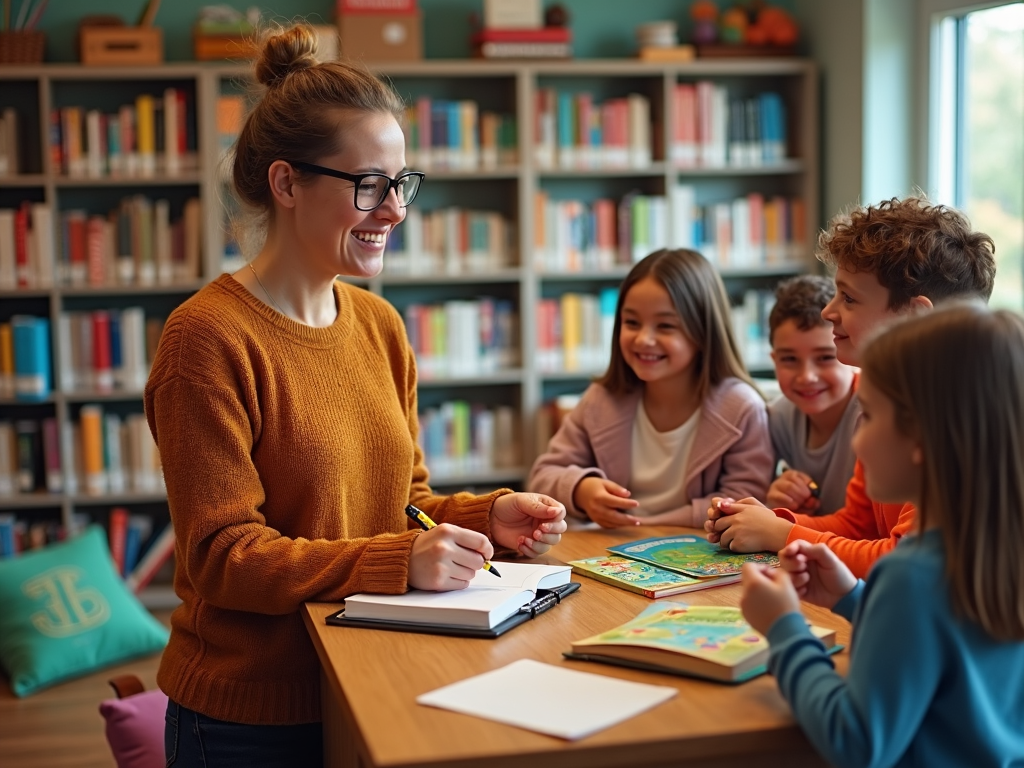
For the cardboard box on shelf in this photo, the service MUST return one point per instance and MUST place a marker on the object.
(381, 36)
(127, 46)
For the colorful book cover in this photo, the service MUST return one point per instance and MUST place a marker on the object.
(691, 555)
(643, 578)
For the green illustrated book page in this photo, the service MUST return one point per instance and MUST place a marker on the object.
(633, 575)
(691, 555)
(715, 633)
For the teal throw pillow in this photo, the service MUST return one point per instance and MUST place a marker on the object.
(64, 612)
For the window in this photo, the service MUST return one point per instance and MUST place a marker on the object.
(977, 116)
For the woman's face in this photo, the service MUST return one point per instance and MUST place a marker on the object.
(337, 236)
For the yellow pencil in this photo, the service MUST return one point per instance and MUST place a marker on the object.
(426, 524)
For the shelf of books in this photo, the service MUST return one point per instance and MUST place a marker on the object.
(546, 181)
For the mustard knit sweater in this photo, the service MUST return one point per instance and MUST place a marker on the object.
(289, 454)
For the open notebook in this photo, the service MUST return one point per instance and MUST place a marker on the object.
(484, 604)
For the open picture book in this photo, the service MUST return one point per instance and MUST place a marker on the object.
(691, 555)
(712, 642)
(488, 601)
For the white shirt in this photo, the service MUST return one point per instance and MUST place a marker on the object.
(658, 477)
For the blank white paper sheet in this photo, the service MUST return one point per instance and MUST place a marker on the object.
(548, 699)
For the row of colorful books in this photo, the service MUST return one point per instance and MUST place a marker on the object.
(748, 231)
(574, 331)
(573, 131)
(458, 437)
(106, 350)
(137, 243)
(98, 454)
(463, 338)
(139, 544)
(25, 370)
(154, 135)
(457, 135)
(712, 128)
(450, 241)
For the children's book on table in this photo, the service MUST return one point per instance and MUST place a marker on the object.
(488, 607)
(711, 642)
(643, 578)
(691, 555)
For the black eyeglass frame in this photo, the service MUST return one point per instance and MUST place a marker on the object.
(357, 179)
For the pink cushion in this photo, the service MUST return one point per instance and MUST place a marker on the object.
(135, 729)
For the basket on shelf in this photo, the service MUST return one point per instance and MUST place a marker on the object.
(22, 47)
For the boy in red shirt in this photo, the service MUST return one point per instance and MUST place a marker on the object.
(890, 259)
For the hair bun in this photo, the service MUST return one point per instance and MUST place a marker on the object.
(289, 51)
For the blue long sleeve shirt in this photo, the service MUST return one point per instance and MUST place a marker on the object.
(924, 688)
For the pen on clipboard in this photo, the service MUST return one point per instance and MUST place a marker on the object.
(782, 466)
(426, 524)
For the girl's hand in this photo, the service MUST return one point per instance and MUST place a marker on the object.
(746, 525)
(530, 523)
(604, 502)
(767, 595)
(447, 557)
(792, 490)
(818, 575)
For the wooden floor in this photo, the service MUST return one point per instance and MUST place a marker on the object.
(61, 727)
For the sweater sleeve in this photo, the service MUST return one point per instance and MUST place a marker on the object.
(205, 438)
(568, 459)
(852, 532)
(746, 464)
(871, 717)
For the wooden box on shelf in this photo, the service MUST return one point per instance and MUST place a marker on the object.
(125, 46)
(22, 47)
(206, 47)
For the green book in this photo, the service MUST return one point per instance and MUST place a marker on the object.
(691, 555)
(707, 641)
(643, 578)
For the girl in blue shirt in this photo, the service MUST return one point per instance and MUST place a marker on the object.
(936, 675)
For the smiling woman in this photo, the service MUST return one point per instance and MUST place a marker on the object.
(284, 405)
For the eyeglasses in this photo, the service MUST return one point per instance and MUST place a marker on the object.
(371, 189)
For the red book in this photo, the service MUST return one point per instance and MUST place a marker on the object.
(118, 530)
(376, 6)
(23, 269)
(181, 126)
(103, 373)
(541, 35)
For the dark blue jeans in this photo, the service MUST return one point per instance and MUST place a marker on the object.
(192, 740)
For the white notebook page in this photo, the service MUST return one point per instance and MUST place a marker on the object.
(548, 699)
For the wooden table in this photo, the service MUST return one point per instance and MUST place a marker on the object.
(370, 680)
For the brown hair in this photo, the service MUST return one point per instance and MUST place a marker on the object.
(956, 379)
(699, 299)
(914, 248)
(297, 116)
(800, 299)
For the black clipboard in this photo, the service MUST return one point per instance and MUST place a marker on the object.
(545, 600)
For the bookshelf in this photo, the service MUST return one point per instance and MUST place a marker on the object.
(502, 187)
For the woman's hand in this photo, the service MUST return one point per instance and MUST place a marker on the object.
(447, 557)
(530, 523)
(604, 502)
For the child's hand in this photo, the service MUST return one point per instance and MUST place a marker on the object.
(818, 575)
(447, 557)
(605, 502)
(792, 490)
(531, 523)
(767, 594)
(746, 525)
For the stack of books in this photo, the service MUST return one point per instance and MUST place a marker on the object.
(541, 43)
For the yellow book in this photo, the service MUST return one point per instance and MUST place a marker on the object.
(146, 133)
(572, 336)
(91, 420)
(708, 641)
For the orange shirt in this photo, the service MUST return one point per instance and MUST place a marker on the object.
(859, 533)
(289, 454)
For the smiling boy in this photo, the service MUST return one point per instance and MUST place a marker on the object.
(812, 423)
(890, 259)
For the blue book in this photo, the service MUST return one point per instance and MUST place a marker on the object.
(7, 548)
(566, 124)
(32, 378)
(114, 326)
(139, 528)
